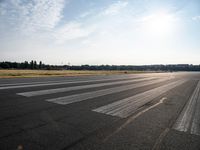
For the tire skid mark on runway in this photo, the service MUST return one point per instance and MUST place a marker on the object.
(126, 107)
(80, 87)
(61, 83)
(188, 120)
(88, 95)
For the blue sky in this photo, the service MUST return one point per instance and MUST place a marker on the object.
(98, 32)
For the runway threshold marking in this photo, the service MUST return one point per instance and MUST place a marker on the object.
(88, 95)
(126, 107)
(66, 89)
(57, 83)
(134, 117)
(29, 83)
(189, 120)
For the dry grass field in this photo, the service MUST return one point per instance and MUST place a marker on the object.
(47, 73)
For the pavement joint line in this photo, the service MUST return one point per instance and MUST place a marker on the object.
(188, 118)
(89, 95)
(59, 83)
(165, 132)
(23, 130)
(160, 139)
(80, 87)
(44, 123)
(132, 118)
(125, 107)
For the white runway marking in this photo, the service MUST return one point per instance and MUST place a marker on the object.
(84, 96)
(29, 83)
(189, 120)
(195, 128)
(126, 107)
(133, 118)
(66, 89)
(57, 83)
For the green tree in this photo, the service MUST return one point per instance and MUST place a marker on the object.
(31, 65)
(40, 65)
(35, 65)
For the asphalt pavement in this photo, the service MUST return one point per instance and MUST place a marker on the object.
(152, 111)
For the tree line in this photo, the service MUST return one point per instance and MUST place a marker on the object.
(40, 65)
(23, 65)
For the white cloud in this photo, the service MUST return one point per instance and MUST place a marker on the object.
(32, 15)
(46, 12)
(40, 20)
(71, 31)
(196, 18)
(115, 8)
(86, 14)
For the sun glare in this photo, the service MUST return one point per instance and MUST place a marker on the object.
(159, 23)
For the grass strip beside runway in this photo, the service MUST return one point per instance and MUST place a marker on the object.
(47, 73)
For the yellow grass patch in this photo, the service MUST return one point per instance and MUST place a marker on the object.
(47, 73)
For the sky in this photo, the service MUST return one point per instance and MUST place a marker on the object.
(95, 32)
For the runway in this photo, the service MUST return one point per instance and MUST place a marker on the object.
(112, 112)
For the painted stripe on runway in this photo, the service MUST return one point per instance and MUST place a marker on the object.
(66, 89)
(132, 118)
(30, 83)
(195, 128)
(88, 95)
(55, 81)
(60, 83)
(126, 107)
(189, 120)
